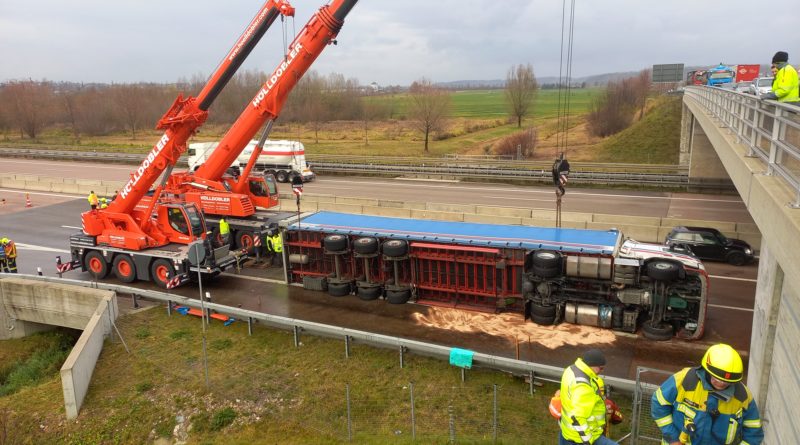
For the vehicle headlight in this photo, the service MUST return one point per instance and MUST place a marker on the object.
(748, 251)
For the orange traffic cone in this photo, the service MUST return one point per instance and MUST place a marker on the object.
(28, 200)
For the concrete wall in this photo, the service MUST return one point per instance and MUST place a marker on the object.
(25, 303)
(76, 373)
(774, 364)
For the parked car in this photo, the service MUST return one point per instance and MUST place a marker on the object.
(709, 244)
(761, 86)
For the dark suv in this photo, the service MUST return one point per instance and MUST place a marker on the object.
(709, 244)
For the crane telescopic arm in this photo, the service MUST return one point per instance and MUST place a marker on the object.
(320, 31)
(186, 115)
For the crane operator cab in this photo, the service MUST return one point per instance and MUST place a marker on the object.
(261, 189)
(182, 223)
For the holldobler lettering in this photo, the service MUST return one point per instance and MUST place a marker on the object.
(148, 161)
(277, 75)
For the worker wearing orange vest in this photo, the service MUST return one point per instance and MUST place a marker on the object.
(10, 253)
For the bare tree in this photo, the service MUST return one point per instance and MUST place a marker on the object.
(642, 87)
(521, 88)
(428, 108)
(31, 105)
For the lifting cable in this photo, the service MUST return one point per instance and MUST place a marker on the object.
(565, 77)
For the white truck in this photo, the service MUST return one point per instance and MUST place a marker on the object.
(284, 159)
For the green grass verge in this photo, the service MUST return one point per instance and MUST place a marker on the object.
(263, 390)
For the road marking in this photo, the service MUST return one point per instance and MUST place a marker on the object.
(23, 192)
(731, 307)
(24, 246)
(720, 277)
(245, 277)
(72, 227)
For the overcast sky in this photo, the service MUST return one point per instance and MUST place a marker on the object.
(387, 41)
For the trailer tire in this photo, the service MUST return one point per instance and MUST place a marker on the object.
(365, 245)
(369, 293)
(398, 296)
(335, 243)
(245, 240)
(161, 271)
(338, 289)
(395, 248)
(658, 332)
(543, 310)
(543, 320)
(125, 268)
(281, 176)
(663, 270)
(96, 264)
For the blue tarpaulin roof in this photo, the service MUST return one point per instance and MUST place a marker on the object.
(471, 234)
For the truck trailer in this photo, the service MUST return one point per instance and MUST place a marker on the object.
(551, 275)
(283, 159)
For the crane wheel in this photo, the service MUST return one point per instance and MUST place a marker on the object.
(124, 268)
(161, 271)
(96, 264)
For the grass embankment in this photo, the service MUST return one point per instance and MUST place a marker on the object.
(263, 390)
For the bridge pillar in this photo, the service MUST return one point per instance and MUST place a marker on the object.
(704, 163)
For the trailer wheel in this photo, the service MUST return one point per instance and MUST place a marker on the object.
(543, 310)
(161, 271)
(663, 270)
(281, 176)
(657, 331)
(366, 245)
(124, 268)
(245, 240)
(369, 293)
(398, 296)
(335, 243)
(338, 289)
(543, 320)
(395, 248)
(96, 264)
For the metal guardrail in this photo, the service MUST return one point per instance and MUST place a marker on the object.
(539, 371)
(770, 129)
(588, 173)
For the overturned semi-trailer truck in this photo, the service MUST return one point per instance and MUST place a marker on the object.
(588, 277)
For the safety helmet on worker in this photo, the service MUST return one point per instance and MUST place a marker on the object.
(723, 363)
(4, 240)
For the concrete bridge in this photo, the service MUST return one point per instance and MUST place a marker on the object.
(757, 145)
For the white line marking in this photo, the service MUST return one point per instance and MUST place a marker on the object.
(731, 308)
(23, 192)
(720, 277)
(245, 277)
(73, 227)
(40, 248)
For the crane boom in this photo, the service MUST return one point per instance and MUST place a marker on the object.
(266, 105)
(186, 115)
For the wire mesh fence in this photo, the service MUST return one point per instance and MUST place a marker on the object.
(643, 428)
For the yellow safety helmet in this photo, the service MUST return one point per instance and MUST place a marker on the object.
(4, 240)
(724, 363)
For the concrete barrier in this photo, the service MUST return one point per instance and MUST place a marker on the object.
(30, 306)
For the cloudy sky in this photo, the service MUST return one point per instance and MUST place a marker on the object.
(387, 41)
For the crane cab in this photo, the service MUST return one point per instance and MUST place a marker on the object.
(261, 189)
(181, 223)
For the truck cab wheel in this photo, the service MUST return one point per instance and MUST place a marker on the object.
(124, 268)
(96, 264)
(161, 271)
(657, 331)
(663, 270)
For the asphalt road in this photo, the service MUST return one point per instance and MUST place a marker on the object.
(618, 202)
(42, 231)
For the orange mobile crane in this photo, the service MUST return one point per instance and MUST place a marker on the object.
(221, 195)
(153, 243)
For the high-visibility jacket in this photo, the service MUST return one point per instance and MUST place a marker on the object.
(583, 408)
(224, 227)
(10, 250)
(722, 417)
(785, 85)
(92, 199)
(275, 243)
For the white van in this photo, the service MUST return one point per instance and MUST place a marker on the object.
(284, 159)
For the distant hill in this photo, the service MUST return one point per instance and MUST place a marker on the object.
(594, 80)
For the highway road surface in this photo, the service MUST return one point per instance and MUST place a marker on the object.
(42, 232)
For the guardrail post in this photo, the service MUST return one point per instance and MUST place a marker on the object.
(402, 356)
(346, 346)
(296, 330)
(532, 376)
(773, 143)
(250, 326)
(169, 308)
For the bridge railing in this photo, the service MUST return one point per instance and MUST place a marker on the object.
(770, 129)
